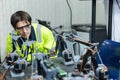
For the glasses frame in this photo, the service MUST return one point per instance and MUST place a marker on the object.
(23, 27)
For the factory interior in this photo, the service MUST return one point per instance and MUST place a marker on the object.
(59, 40)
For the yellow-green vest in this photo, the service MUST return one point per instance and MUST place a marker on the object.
(44, 42)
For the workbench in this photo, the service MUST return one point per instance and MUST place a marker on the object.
(57, 61)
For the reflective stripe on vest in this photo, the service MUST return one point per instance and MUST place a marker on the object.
(38, 29)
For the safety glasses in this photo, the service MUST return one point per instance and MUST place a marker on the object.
(26, 27)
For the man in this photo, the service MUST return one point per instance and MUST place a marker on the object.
(43, 37)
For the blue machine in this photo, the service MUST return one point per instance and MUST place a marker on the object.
(110, 54)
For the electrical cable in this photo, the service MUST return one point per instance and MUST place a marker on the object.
(70, 13)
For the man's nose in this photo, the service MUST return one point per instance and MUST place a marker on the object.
(24, 30)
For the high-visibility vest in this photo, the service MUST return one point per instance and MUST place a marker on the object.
(44, 41)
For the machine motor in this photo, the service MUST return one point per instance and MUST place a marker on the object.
(19, 67)
(102, 72)
(10, 59)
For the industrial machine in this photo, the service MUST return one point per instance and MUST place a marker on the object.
(110, 54)
(14, 61)
(18, 69)
(69, 49)
(67, 57)
(89, 66)
(12, 57)
(43, 67)
(74, 47)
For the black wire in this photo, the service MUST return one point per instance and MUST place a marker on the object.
(70, 13)
(118, 4)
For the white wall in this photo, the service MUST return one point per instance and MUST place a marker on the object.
(55, 11)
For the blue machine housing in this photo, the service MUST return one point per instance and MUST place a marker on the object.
(110, 55)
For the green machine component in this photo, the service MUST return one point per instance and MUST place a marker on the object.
(62, 73)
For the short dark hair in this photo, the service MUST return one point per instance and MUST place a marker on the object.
(20, 16)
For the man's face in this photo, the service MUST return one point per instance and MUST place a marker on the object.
(23, 28)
